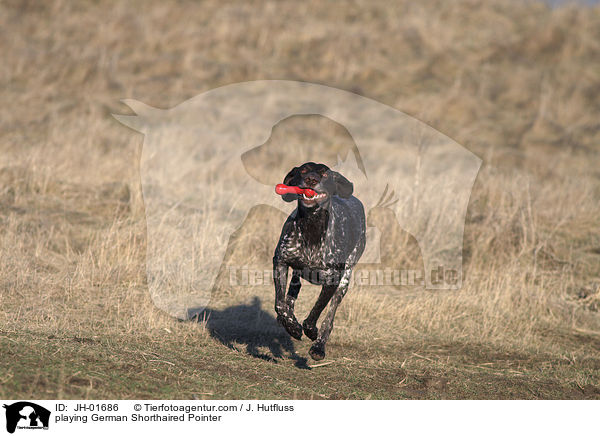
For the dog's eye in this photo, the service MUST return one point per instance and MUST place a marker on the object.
(304, 171)
(324, 175)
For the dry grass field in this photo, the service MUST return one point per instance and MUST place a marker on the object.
(517, 83)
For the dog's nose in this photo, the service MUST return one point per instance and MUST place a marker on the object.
(310, 181)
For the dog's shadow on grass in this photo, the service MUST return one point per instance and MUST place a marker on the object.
(250, 326)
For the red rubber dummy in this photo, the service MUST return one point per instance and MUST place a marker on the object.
(284, 189)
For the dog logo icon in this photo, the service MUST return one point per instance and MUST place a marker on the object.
(26, 415)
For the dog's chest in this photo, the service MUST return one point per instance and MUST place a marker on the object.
(316, 250)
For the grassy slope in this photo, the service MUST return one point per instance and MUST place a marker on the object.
(518, 84)
(185, 364)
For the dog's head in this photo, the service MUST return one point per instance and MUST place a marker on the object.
(320, 179)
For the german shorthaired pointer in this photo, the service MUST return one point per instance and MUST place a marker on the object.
(321, 241)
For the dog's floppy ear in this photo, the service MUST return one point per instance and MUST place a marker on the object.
(293, 173)
(287, 180)
(343, 186)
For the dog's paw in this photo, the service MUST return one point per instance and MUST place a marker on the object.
(311, 331)
(317, 351)
(291, 325)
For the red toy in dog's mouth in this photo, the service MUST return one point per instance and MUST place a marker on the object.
(307, 194)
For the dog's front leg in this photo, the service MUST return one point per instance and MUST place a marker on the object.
(317, 350)
(285, 313)
(280, 279)
(310, 323)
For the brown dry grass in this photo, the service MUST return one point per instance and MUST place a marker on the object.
(517, 83)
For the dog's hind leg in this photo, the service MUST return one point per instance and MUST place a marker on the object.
(317, 350)
(285, 313)
(310, 323)
(294, 289)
